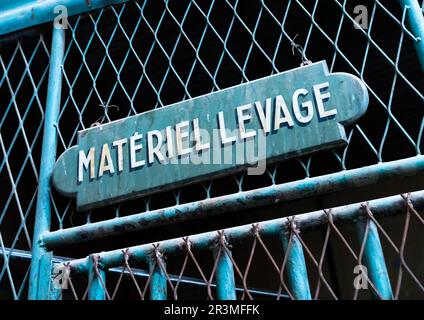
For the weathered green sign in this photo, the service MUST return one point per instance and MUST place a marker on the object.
(281, 116)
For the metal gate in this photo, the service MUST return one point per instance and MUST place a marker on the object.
(333, 224)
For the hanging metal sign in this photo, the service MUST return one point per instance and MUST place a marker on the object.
(246, 126)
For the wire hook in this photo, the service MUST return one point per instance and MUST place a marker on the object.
(102, 119)
(294, 45)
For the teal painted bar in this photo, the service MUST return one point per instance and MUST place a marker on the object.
(243, 200)
(282, 116)
(48, 158)
(26, 13)
(374, 259)
(416, 23)
(158, 281)
(346, 214)
(25, 256)
(96, 284)
(225, 283)
(297, 273)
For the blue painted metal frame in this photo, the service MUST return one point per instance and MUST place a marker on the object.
(44, 281)
(242, 200)
(21, 14)
(25, 13)
(346, 214)
(297, 273)
(22, 255)
(374, 258)
(48, 159)
(96, 281)
(158, 281)
(224, 275)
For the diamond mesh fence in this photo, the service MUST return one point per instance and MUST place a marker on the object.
(142, 55)
(254, 249)
(24, 69)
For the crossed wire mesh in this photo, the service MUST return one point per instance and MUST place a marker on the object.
(273, 265)
(145, 55)
(24, 69)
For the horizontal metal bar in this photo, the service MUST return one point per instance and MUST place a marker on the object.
(240, 201)
(345, 214)
(24, 255)
(20, 14)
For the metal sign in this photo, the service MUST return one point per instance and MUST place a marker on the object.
(274, 118)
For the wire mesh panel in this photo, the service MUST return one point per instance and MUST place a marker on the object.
(261, 256)
(24, 69)
(142, 55)
(139, 56)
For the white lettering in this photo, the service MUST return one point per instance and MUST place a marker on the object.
(118, 145)
(133, 151)
(281, 107)
(252, 120)
(106, 163)
(320, 98)
(84, 161)
(154, 151)
(181, 136)
(169, 143)
(264, 117)
(197, 137)
(223, 130)
(244, 115)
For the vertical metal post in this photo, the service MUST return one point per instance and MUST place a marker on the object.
(297, 274)
(96, 281)
(416, 22)
(48, 158)
(158, 282)
(373, 258)
(225, 284)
